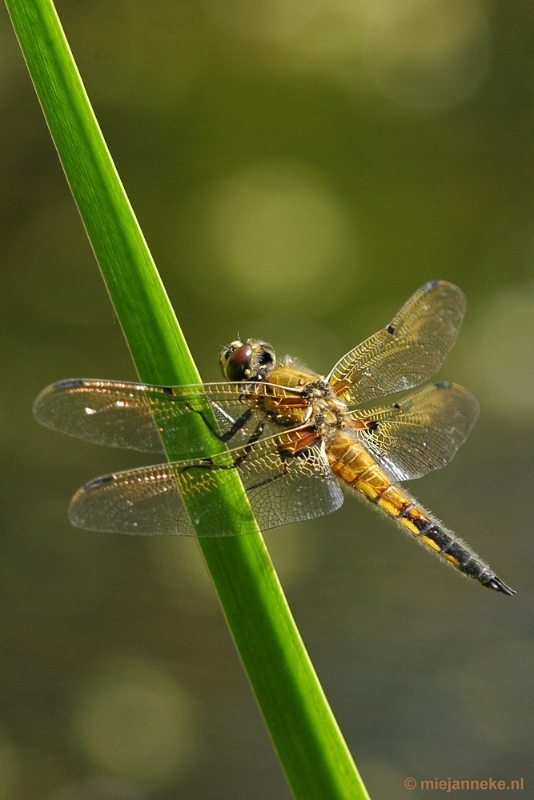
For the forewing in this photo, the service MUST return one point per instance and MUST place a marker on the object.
(408, 351)
(281, 489)
(420, 433)
(133, 415)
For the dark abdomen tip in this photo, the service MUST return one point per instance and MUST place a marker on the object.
(497, 585)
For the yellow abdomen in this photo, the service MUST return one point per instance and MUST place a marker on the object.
(352, 464)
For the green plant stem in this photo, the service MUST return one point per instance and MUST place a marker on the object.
(312, 751)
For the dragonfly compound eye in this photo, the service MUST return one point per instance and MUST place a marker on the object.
(236, 363)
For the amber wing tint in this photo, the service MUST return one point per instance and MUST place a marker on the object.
(130, 415)
(421, 432)
(408, 351)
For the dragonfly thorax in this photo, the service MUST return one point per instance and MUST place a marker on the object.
(315, 405)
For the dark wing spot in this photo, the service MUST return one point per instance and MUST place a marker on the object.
(70, 383)
(373, 425)
(168, 390)
(99, 481)
(390, 329)
(443, 385)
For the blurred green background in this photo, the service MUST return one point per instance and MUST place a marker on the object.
(299, 169)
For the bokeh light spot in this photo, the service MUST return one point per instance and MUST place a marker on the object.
(136, 722)
(268, 20)
(500, 353)
(319, 31)
(279, 233)
(426, 54)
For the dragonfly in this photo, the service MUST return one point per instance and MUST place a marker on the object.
(295, 438)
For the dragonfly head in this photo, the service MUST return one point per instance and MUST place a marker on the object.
(252, 360)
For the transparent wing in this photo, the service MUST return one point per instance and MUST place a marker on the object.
(133, 415)
(408, 351)
(420, 433)
(281, 488)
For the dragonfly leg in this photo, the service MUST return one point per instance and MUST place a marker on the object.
(287, 457)
(231, 432)
(251, 442)
(209, 463)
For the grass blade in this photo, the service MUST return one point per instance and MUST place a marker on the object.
(312, 751)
